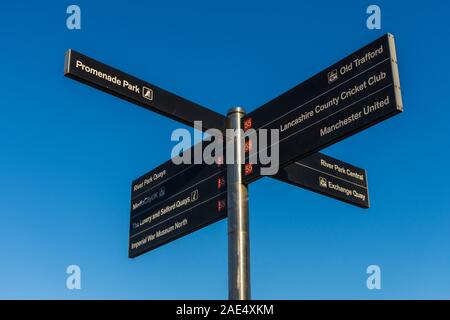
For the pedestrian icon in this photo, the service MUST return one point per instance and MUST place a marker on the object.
(147, 93)
(323, 182)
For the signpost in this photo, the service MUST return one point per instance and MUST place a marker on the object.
(174, 200)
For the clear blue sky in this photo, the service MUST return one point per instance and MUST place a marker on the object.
(70, 152)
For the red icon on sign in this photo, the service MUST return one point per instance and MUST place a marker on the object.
(220, 182)
(248, 169)
(247, 124)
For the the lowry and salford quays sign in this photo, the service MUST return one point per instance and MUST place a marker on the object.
(176, 199)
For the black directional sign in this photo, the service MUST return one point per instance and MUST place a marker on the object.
(174, 200)
(351, 95)
(101, 76)
(330, 177)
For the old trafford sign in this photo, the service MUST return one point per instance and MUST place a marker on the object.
(351, 95)
(173, 200)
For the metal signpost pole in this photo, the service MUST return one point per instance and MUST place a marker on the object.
(238, 235)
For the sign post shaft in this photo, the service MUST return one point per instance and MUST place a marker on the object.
(238, 223)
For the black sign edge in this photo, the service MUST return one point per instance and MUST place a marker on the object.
(395, 72)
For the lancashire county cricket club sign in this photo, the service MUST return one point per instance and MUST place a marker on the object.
(351, 95)
(177, 198)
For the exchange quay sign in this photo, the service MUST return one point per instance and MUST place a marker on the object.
(177, 198)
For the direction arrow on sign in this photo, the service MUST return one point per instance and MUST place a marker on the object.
(351, 95)
(101, 76)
